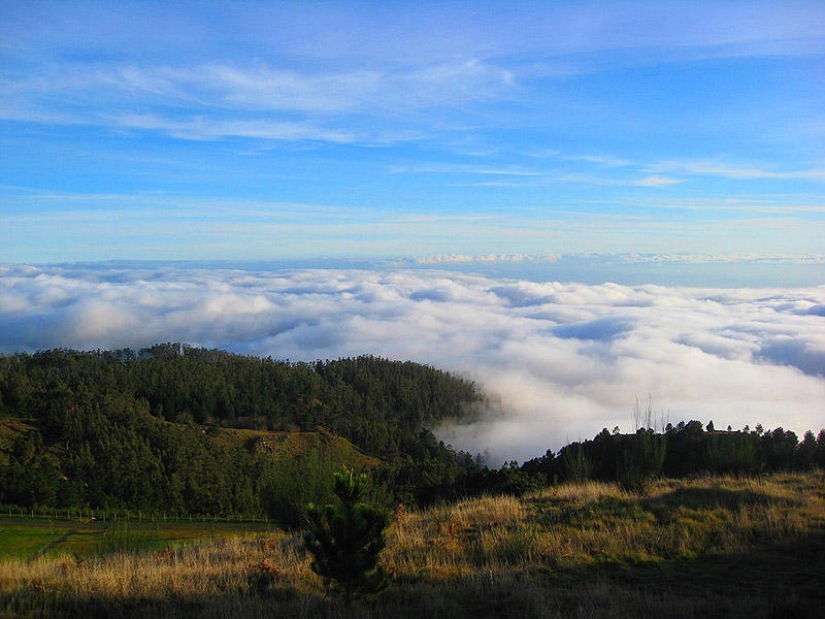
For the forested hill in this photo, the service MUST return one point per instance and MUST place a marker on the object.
(133, 428)
(366, 399)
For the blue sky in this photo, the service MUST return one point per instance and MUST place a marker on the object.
(238, 131)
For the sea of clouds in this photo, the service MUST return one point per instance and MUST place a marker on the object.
(560, 361)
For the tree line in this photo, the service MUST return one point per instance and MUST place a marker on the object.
(682, 450)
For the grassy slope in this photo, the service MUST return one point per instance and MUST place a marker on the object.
(279, 444)
(714, 547)
(292, 445)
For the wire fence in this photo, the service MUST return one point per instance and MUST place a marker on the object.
(79, 514)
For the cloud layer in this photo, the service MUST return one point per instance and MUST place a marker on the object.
(561, 360)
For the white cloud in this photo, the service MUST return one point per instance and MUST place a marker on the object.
(657, 181)
(206, 128)
(736, 171)
(265, 88)
(253, 101)
(565, 359)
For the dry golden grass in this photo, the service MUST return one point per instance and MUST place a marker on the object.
(710, 547)
(219, 570)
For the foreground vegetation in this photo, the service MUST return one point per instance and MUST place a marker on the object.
(186, 475)
(711, 547)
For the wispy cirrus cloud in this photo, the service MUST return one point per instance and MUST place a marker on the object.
(364, 90)
(663, 172)
(736, 171)
(206, 128)
(605, 169)
(391, 63)
(657, 181)
(535, 175)
(216, 101)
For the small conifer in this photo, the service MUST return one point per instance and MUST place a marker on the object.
(345, 540)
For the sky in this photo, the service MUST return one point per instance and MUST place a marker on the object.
(579, 205)
(286, 131)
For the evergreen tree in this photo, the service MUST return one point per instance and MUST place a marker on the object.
(345, 540)
(819, 456)
(643, 455)
(577, 465)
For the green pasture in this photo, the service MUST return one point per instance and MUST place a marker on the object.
(24, 537)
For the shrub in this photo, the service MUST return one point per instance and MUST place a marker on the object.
(345, 540)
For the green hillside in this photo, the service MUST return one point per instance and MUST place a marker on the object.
(176, 429)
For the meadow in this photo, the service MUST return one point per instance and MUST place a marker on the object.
(707, 547)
